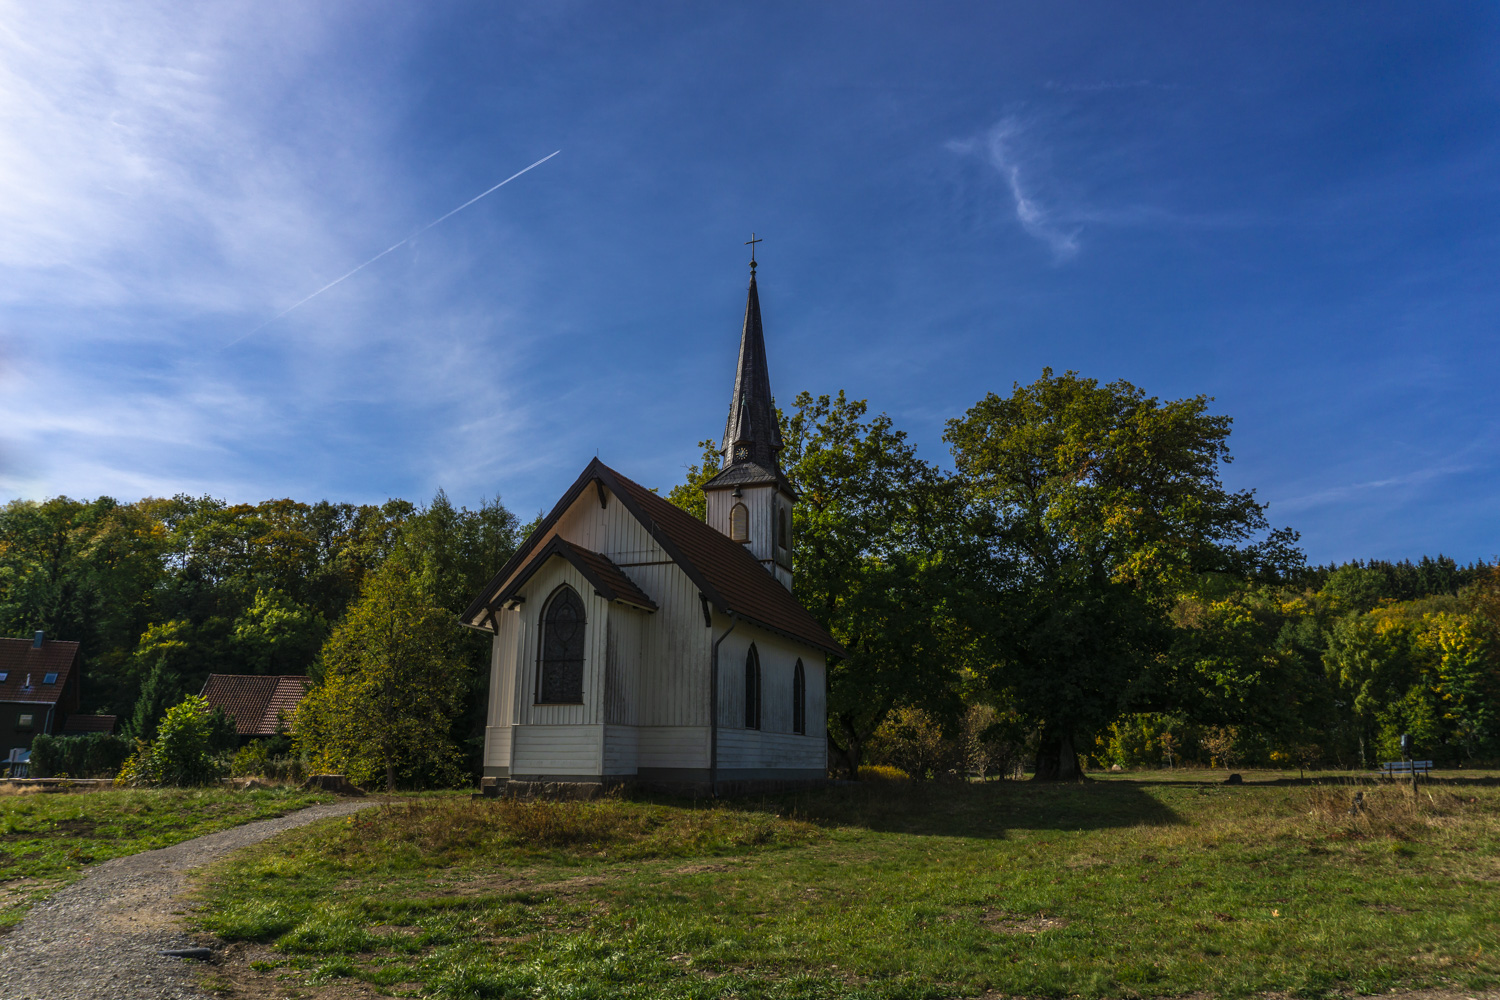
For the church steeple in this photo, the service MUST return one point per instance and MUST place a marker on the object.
(750, 499)
(751, 434)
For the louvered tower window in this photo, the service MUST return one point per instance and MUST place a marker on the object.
(781, 526)
(561, 667)
(739, 523)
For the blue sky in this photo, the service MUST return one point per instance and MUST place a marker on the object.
(1290, 207)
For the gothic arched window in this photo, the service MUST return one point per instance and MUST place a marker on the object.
(560, 670)
(752, 688)
(739, 523)
(799, 700)
(781, 526)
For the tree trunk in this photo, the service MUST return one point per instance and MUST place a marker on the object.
(1056, 760)
(848, 755)
(390, 777)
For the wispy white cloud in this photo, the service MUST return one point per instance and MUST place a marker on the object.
(1002, 148)
(1345, 493)
(1100, 86)
(175, 176)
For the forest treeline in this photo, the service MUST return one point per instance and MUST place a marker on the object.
(1079, 580)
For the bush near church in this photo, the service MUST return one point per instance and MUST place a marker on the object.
(191, 746)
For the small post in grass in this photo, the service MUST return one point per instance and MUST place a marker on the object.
(1406, 756)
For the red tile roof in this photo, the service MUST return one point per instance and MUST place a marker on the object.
(254, 701)
(20, 660)
(726, 573)
(89, 724)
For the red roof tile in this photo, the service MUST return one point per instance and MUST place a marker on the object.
(728, 575)
(20, 661)
(254, 701)
(89, 724)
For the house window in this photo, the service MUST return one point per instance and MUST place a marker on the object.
(25, 722)
(560, 680)
(781, 526)
(799, 700)
(49, 678)
(739, 523)
(752, 688)
(3, 676)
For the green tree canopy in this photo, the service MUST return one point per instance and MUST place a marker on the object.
(1102, 503)
(392, 685)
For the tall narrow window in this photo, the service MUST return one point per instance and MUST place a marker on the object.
(799, 700)
(752, 688)
(781, 526)
(560, 680)
(739, 523)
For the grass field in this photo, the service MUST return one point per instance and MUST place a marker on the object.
(1127, 886)
(48, 840)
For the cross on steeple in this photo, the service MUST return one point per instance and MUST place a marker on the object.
(751, 244)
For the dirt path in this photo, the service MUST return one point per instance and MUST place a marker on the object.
(100, 937)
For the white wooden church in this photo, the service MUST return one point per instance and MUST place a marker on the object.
(633, 642)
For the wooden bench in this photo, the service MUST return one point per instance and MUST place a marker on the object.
(1393, 768)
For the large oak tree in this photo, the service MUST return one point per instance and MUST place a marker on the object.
(1101, 504)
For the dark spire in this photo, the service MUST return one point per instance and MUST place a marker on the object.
(751, 435)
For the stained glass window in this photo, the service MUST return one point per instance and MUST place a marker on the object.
(562, 650)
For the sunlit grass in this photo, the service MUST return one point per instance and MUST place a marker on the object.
(48, 840)
(1125, 887)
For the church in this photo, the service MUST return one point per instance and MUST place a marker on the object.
(633, 643)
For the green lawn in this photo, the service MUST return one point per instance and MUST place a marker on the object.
(1130, 886)
(48, 840)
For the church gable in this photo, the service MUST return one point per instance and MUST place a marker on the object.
(727, 577)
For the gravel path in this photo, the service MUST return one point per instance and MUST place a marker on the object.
(99, 937)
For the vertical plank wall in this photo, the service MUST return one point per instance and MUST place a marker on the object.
(646, 676)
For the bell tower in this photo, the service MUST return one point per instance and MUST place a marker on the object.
(750, 500)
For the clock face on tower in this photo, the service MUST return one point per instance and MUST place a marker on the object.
(742, 452)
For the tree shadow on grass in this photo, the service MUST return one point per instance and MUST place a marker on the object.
(988, 810)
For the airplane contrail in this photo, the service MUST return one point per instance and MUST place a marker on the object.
(393, 246)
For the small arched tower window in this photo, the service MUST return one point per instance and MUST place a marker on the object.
(799, 700)
(752, 688)
(739, 523)
(781, 526)
(560, 670)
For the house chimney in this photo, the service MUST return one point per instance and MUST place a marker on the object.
(36, 642)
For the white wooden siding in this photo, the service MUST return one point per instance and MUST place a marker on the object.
(560, 750)
(620, 743)
(761, 503)
(497, 746)
(748, 748)
(646, 674)
(778, 662)
(672, 746)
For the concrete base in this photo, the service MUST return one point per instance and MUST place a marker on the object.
(695, 786)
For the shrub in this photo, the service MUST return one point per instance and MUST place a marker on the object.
(259, 759)
(90, 755)
(881, 772)
(913, 741)
(991, 744)
(191, 742)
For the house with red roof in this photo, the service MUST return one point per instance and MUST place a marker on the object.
(260, 705)
(633, 642)
(39, 691)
